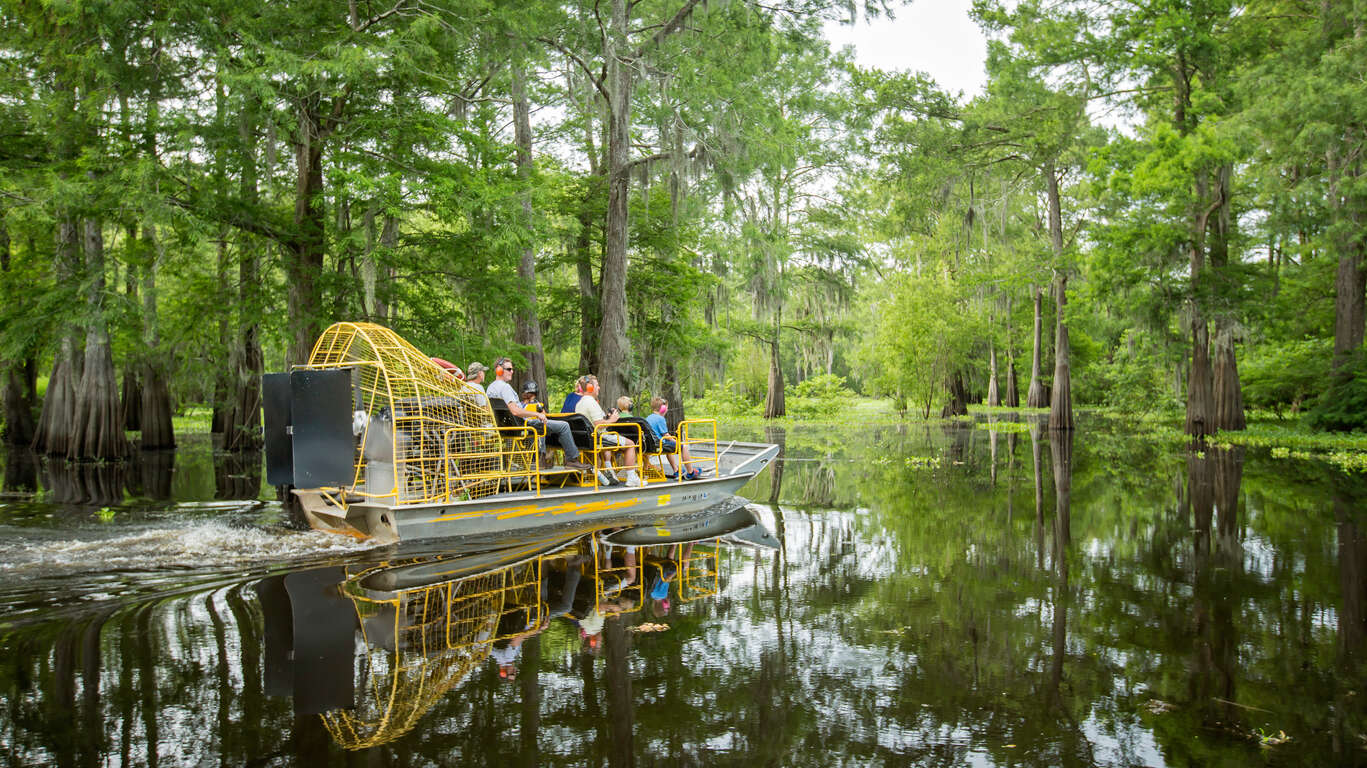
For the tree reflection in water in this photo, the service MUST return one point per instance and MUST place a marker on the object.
(237, 474)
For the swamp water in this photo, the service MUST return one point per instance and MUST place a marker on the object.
(944, 595)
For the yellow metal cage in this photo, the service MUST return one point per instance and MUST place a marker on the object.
(425, 436)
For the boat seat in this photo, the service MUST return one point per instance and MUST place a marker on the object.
(505, 418)
(581, 429)
(646, 437)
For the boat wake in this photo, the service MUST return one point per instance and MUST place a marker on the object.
(209, 545)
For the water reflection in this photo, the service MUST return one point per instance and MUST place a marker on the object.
(21, 473)
(237, 474)
(1151, 607)
(425, 623)
(84, 483)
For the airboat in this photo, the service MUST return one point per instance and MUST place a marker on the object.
(378, 441)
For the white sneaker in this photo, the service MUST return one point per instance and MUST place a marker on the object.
(633, 480)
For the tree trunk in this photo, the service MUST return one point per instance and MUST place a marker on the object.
(157, 429)
(375, 274)
(993, 398)
(527, 333)
(1061, 396)
(1200, 387)
(774, 396)
(389, 238)
(1035, 396)
(57, 421)
(589, 308)
(98, 431)
(1349, 285)
(1013, 395)
(613, 346)
(1226, 392)
(242, 422)
(18, 396)
(1228, 395)
(675, 397)
(130, 398)
(304, 255)
(958, 398)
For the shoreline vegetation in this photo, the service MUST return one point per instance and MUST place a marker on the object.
(1282, 437)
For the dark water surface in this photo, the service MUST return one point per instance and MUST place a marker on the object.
(943, 596)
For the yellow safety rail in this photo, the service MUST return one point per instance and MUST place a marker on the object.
(515, 455)
(603, 450)
(656, 472)
(426, 435)
(699, 433)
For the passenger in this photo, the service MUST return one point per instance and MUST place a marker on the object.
(529, 400)
(503, 373)
(589, 408)
(668, 442)
(572, 399)
(644, 436)
(474, 375)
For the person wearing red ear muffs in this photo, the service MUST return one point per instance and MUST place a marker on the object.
(502, 389)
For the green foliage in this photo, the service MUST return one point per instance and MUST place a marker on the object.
(1342, 406)
(722, 402)
(820, 396)
(919, 338)
(1126, 379)
(1287, 375)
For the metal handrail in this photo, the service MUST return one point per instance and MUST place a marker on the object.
(530, 456)
(686, 438)
(598, 446)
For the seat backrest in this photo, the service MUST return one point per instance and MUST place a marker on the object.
(646, 435)
(502, 416)
(581, 429)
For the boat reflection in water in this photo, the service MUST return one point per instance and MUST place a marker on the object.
(372, 649)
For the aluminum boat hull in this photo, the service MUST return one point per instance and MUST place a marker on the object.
(654, 503)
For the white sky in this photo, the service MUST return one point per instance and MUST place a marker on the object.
(931, 36)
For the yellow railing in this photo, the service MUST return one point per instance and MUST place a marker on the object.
(511, 454)
(706, 430)
(602, 449)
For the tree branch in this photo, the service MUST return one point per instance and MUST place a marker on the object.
(593, 78)
(372, 22)
(669, 27)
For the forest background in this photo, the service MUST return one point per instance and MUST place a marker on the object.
(693, 199)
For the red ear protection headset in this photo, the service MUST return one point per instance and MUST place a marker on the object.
(502, 365)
